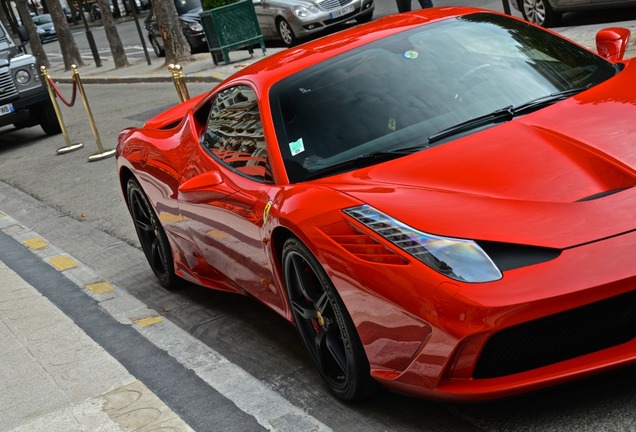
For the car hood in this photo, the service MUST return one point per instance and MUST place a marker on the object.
(46, 26)
(5, 57)
(559, 177)
(191, 16)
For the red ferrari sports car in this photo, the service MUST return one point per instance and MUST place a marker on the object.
(443, 202)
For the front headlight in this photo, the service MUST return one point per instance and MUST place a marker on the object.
(459, 259)
(195, 27)
(304, 11)
(22, 76)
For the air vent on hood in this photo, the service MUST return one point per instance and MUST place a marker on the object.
(600, 195)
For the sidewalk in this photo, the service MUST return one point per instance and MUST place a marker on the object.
(200, 69)
(203, 69)
(49, 366)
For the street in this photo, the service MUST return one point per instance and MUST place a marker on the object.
(135, 51)
(60, 196)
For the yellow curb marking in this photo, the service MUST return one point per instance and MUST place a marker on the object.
(2, 215)
(101, 287)
(145, 322)
(35, 243)
(62, 263)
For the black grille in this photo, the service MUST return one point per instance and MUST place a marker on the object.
(7, 87)
(559, 337)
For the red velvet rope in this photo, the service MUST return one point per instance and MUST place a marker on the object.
(54, 87)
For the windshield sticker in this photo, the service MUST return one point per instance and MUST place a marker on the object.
(297, 147)
(410, 54)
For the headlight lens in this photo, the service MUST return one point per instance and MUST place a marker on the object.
(304, 11)
(459, 259)
(22, 76)
(195, 26)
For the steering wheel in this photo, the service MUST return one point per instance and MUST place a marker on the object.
(473, 70)
(463, 87)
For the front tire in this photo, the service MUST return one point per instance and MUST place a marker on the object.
(539, 12)
(324, 325)
(45, 113)
(151, 234)
(158, 49)
(286, 33)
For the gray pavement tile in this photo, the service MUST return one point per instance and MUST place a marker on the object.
(49, 370)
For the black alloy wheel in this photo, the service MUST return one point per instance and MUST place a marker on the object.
(151, 235)
(324, 324)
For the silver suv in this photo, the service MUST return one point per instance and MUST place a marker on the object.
(24, 99)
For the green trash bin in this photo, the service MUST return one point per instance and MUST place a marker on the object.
(231, 27)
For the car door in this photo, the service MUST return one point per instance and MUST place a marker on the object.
(225, 205)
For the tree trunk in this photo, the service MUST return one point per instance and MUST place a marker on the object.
(70, 52)
(8, 11)
(5, 19)
(174, 41)
(34, 39)
(116, 47)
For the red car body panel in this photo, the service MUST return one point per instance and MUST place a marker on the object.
(530, 181)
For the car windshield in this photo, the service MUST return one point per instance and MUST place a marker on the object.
(386, 99)
(185, 6)
(42, 19)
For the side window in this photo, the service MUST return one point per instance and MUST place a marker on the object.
(234, 133)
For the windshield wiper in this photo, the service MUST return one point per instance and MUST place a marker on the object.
(497, 116)
(364, 160)
(504, 114)
(546, 100)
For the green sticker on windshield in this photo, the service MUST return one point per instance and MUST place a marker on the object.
(296, 147)
(411, 55)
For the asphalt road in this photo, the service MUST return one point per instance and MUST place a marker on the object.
(240, 329)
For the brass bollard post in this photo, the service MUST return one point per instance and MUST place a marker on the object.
(100, 148)
(69, 146)
(179, 82)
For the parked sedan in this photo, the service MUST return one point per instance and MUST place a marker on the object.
(292, 20)
(188, 12)
(45, 27)
(442, 202)
(548, 13)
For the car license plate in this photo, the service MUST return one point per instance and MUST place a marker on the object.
(344, 11)
(6, 109)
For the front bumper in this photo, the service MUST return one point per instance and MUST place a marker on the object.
(304, 27)
(539, 326)
(197, 41)
(22, 106)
